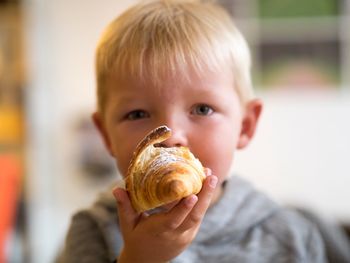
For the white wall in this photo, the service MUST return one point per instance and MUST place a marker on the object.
(300, 154)
(61, 37)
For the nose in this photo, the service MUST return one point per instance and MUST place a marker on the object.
(178, 137)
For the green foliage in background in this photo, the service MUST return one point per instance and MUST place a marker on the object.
(280, 71)
(298, 8)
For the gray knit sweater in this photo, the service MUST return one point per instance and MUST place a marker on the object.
(243, 226)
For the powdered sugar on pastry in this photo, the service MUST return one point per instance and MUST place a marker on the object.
(159, 175)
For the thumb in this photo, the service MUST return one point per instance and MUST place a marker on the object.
(126, 213)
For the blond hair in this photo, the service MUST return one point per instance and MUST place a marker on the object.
(156, 38)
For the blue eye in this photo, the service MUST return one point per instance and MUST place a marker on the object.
(203, 110)
(136, 115)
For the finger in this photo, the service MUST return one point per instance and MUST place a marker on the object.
(207, 171)
(169, 206)
(204, 198)
(175, 217)
(126, 213)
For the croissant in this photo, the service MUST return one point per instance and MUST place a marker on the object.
(160, 175)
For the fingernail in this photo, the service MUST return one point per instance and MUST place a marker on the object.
(190, 201)
(213, 181)
(207, 171)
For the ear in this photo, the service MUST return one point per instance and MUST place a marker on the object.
(249, 122)
(97, 120)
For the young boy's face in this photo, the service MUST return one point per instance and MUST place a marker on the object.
(204, 114)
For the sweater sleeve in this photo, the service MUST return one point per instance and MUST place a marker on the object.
(84, 242)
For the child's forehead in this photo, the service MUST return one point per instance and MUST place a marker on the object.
(173, 78)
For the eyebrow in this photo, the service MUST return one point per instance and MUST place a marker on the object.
(120, 102)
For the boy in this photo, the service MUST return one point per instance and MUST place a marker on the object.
(183, 64)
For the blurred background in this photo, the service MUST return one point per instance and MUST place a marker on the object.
(52, 162)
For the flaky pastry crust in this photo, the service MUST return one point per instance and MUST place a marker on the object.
(160, 175)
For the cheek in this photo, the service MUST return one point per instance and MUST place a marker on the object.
(220, 158)
(124, 142)
(218, 151)
(123, 148)
(122, 161)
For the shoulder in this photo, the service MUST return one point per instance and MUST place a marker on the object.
(289, 222)
(100, 215)
(93, 233)
(296, 234)
(84, 240)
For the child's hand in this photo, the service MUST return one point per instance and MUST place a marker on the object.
(161, 237)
